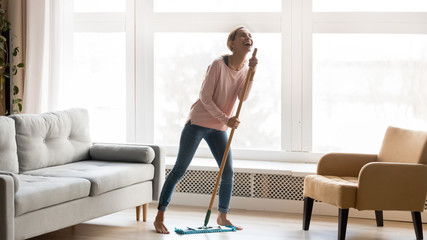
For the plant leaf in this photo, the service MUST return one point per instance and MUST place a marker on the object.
(15, 51)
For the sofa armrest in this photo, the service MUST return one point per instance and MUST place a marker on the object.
(392, 186)
(159, 170)
(343, 164)
(16, 181)
(158, 160)
(7, 207)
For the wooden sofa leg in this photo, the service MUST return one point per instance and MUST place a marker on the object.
(418, 226)
(342, 223)
(379, 218)
(138, 213)
(144, 212)
(308, 209)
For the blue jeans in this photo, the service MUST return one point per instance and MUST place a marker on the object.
(191, 136)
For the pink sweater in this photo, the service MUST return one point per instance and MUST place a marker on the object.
(218, 93)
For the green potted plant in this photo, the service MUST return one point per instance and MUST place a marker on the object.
(7, 68)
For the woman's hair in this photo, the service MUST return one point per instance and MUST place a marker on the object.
(232, 36)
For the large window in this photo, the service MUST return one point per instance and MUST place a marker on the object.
(99, 6)
(179, 69)
(363, 83)
(369, 60)
(216, 6)
(96, 67)
(369, 6)
(332, 74)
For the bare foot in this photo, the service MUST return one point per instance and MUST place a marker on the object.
(222, 220)
(158, 223)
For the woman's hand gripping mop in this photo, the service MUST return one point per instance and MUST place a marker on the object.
(205, 228)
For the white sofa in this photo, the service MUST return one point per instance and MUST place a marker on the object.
(52, 176)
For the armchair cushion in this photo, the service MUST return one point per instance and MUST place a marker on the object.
(122, 152)
(338, 191)
(404, 146)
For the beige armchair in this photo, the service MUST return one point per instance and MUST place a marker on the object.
(395, 179)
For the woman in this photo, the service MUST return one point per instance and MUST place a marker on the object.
(209, 118)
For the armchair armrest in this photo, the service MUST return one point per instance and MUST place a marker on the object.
(7, 207)
(343, 164)
(392, 186)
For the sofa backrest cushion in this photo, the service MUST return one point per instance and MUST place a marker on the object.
(404, 146)
(8, 156)
(53, 138)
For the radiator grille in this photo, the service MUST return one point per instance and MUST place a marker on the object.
(278, 186)
(251, 185)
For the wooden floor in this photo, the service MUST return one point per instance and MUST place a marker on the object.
(258, 226)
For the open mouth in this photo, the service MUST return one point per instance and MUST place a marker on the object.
(248, 44)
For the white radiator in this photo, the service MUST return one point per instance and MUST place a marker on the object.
(269, 192)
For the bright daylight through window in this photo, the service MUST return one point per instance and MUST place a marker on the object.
(179, 69)
(329, 73)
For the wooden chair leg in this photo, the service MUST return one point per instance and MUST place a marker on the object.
(418, 226)
(342, 223)
(379, 218)
(144, 212)
(138, 213)
(308, 209)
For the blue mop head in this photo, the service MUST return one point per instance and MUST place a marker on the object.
(205, 229)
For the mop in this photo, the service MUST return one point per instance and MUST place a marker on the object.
(205, 228)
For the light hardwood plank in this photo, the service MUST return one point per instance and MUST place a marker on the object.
(258, 225)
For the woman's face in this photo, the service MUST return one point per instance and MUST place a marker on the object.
(243, 41)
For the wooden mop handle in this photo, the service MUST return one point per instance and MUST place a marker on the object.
(245, 87)
(227, 149)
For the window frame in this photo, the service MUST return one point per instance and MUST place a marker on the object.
(296, 22)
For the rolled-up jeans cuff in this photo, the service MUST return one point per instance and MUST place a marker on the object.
(162, 208)
(223, 210)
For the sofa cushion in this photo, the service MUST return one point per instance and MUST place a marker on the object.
(51, 139)
(103, 175)
(37, 192)
(8, 156)
(122, 152)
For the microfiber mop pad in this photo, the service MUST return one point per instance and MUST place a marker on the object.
(205, 230)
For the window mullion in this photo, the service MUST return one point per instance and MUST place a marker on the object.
(286, 91)
(130, 71)
(144, 85)
(307, 76)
